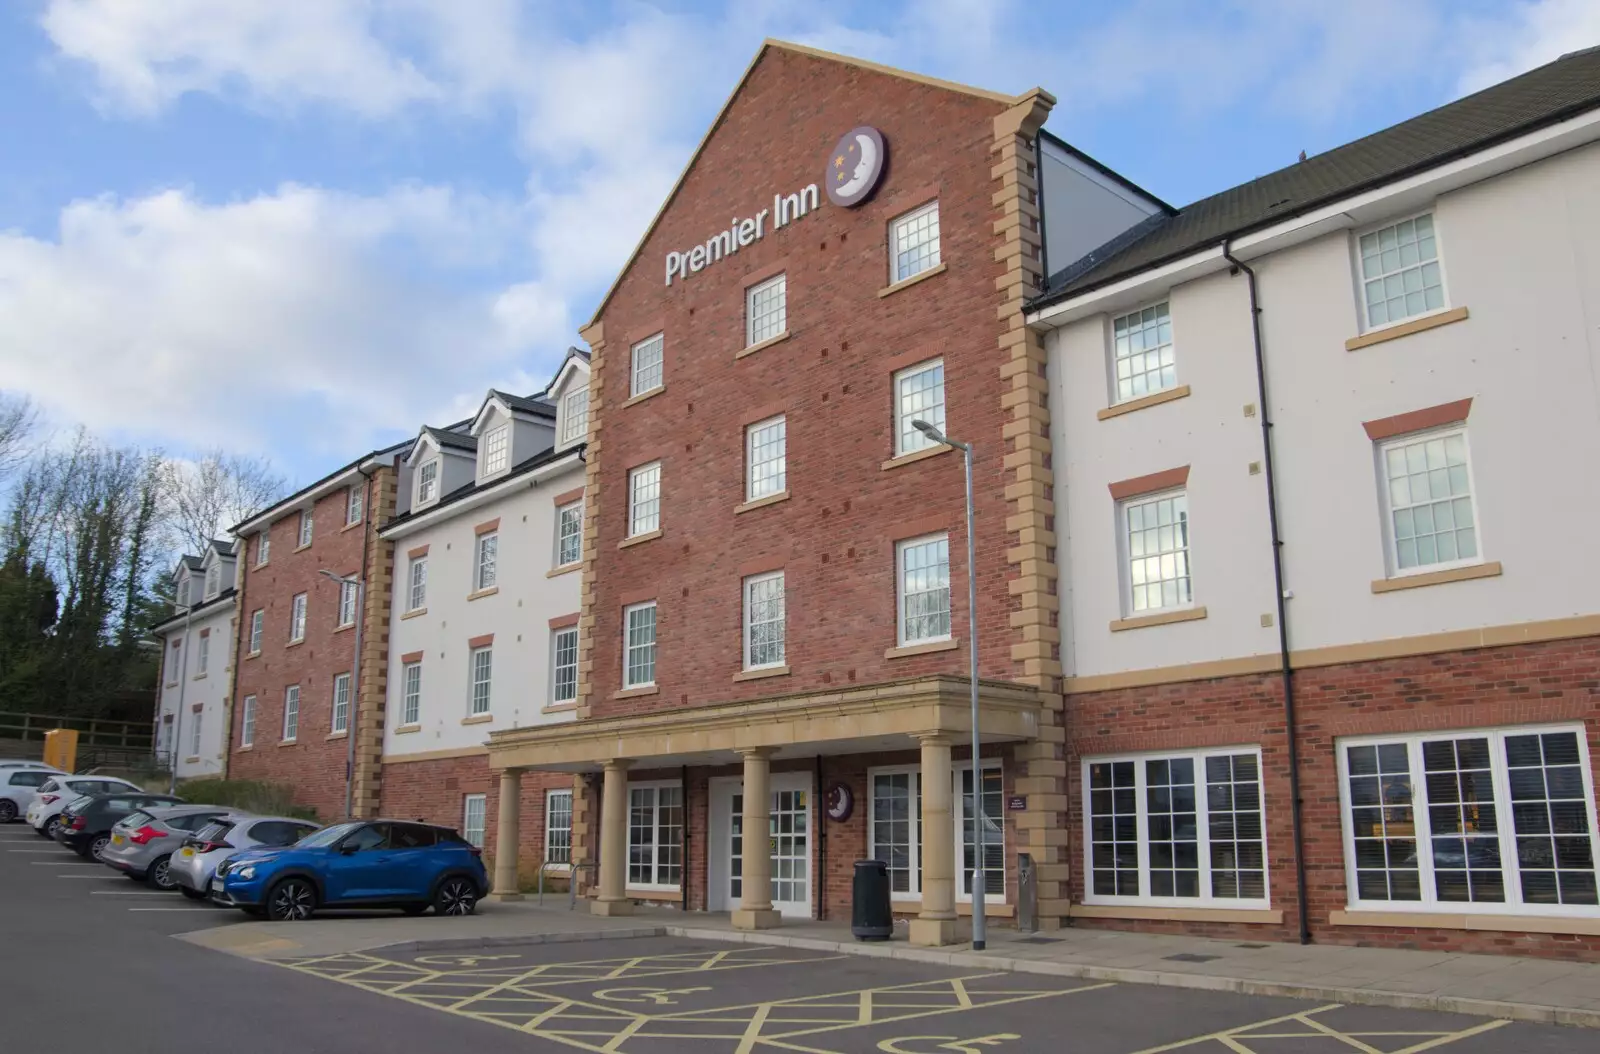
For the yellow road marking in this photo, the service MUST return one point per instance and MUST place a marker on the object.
(1227, 1033)
(752, 1031)
(1487, 1026)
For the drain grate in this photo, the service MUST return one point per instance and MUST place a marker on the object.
(1038, 940)
(1191, 957)
(1252, 946)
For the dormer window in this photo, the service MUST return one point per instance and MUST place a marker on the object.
(428, 481)
(575, 415)
(185, 593)
(305, 529)
(213, 581)
(496, 447)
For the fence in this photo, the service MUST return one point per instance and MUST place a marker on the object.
(94, 733)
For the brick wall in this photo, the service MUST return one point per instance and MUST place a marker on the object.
(1484, 688)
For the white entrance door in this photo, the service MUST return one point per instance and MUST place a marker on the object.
(788, 842)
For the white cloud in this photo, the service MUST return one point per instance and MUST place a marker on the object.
(1535, 33)
(327, 316)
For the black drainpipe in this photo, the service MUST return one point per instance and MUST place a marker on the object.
(819, 802)
(1287, 668)
(683, 872)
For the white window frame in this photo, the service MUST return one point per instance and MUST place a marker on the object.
(195, 721)
(656, 866)
(427, 487)
(347, 604)
(410, 694)
(1361, 275)
(904, 220)
(1125, 550)
(638, 522)
(170, 668)
(556, 665)
(486, 561)
(914, 883)
(263, 546)
(247, 722)
(1137, 314)
(1203, 830)
(958, 828)
(354, 505)
(628, 647)
(570, 513)
(297, 617)
(496, 451)
(258, 619)
(575, 416)
(474, 832)
(202, 654)
(1391, 544)
(753, 322)
(550, 796)
(908, 440)
(1505, 821)
(417, 584)
(749, 587)
(486, 683)
(900, 548)
(648, 371)
(213, 581)
(751, 465)
(291, 714)
(341, 711)
(308, 529)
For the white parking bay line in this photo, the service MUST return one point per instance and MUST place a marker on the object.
(65, 863)
(95, 878)
(172, 909)
(128, 893)
(57, 849)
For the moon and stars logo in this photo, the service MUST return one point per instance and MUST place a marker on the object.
(840, 802)
(855, 166)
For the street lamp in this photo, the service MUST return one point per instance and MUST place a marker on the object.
(979, 885)
(355, 687)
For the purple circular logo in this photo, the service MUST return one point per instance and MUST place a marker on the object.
(855, 166)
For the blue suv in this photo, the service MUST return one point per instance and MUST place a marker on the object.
(362, 864)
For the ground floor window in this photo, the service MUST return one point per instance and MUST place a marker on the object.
(474, 810)
(895, 829)
(558, 827)
(655, 835)
(1482, 820)
(1176, 828)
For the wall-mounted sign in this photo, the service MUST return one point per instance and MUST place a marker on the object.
(854, 167)
(840, 802)
(1017, 803)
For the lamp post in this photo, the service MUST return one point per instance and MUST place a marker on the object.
(979, 885)
(355, 687)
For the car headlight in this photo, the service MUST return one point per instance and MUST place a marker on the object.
(246, 873)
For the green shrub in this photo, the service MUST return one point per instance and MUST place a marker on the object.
(272, 799)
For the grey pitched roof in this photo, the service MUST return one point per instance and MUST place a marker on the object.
(529, 404)
(223, 546)
(1554, 92)
(194, 562)
(451, 439)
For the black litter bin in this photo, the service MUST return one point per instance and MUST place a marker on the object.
(870, 917)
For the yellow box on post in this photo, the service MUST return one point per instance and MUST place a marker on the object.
(61, 748)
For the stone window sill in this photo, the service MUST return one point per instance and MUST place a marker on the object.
(301, 548)
(907, 283)
(763, 345)
(1180, 392)
(477, 719)
(288, 742)
(192, 760)
(1163, 618)
(1492, 569)
(905, 651)
(335, 735)
(634, 693)
(252, 655)
(761, 503)
(245, 749)
(1405, 329)
(671, 895)
(639, 539)
(559, 708)
(642, 396)
(346, 628)
(414, 613)
(199, 677)
(295, 643)
(1133, 911)
(1442, 921)
(763, 674)
(479, 594)
(351, 526)
(401, 730)
(557, 572)
(916, 455)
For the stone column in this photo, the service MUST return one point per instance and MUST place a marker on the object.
(936, 923)
(755, 905)
(508, 837)
(613, 899)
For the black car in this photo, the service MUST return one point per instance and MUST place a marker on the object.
(86, 824)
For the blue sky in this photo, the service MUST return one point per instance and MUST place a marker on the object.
(301, 228)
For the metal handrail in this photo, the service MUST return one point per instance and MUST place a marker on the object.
(572, 883)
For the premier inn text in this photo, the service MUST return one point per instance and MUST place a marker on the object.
(740, 233)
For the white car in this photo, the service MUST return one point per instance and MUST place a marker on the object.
(57, 792)
(17, 787)
(20, 763)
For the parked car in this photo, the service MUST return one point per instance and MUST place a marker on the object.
(361, 864)
(56, 793)
(143, 842)
(24, 763)
(18, 787)
(85, 825)
(195, 863)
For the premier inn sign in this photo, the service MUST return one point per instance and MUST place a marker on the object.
(854, 168)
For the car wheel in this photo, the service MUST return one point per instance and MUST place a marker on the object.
(192, 894)
(8, 811)
(160, 874)
(292, 900)
(98, 846)
(51, 825)
(456, 896)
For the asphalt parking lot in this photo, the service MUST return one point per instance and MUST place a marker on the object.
(88, 963)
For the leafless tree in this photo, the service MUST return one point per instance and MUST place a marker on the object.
(209, 495)
(18, 419)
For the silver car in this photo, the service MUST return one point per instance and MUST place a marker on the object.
(195, 864)
(143, 842)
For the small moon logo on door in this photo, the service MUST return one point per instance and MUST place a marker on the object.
(855, 166)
